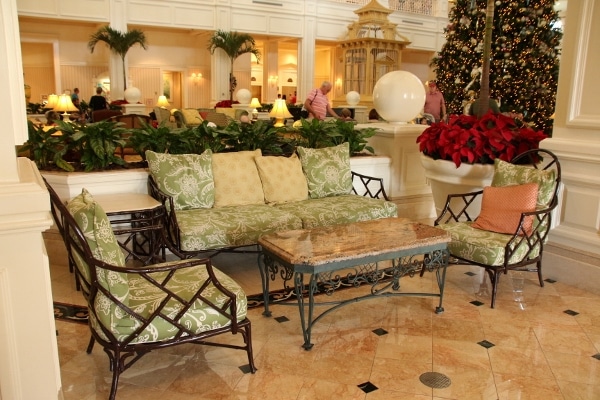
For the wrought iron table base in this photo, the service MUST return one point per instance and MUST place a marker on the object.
(384, 282)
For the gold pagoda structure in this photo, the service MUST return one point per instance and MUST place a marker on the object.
(371, 49)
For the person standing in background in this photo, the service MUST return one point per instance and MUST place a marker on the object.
(317, 103)
(75, 97)
(97, 101)
(434, 102)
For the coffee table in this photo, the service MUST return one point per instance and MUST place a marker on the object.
(360, 246)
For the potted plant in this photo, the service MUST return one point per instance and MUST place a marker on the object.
(234, 44)
(346, 131)
(239, 136)
(458, 156)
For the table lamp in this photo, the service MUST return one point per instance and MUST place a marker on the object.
(52, 101)
(255, 104)
(162, 101)
(280, 113)
(65, 105)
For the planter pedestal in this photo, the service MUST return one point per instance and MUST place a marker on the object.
(444, 179)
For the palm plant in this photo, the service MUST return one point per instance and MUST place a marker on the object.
(118, 42)
(234, 44)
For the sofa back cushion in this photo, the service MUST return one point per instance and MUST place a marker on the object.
(188, 178)
(282, 178)
(236, 179)
(327, 170)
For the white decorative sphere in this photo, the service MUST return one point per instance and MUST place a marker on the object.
(243, 96)
(399, 96)
(132, 95)
(352, 98)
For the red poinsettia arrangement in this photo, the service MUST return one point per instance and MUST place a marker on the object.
(226, 103)
(466, 138)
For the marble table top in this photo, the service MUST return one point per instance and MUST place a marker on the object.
(351, 241)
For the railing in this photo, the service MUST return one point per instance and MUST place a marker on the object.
(422, 7)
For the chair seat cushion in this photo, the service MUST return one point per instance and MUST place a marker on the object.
(339, 210)
(479, 246)
(144, 298)
(205, 229)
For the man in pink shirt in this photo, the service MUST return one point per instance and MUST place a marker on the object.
(434, 102)
(317, 103)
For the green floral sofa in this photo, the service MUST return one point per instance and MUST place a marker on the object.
(227, 200)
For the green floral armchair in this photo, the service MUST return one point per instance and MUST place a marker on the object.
(518, 249)
(133, 310)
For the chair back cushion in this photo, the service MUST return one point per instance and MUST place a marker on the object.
(95, 226)
(188, 178)
(282, 178)
(506, 174)
(236, 179)
(327, 170)
(191, 116)
(501, 208)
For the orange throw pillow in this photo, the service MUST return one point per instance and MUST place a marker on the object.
(501, 208)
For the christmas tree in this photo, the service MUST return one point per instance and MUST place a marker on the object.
(524, 58)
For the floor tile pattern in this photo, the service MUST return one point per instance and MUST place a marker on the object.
(541, 343)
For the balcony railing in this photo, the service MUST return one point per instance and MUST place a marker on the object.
(421, 7)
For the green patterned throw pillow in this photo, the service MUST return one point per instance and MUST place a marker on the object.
(327, 170)
(188, 178)
(507, 174)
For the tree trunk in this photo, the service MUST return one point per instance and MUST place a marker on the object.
(484, 94)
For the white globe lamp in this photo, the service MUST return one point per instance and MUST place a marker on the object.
(243, 96)
(132, 95)
(399, 97)
(352, 98)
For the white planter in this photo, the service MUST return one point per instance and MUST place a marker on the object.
(375, 166)
(444, 179)
(69, 184)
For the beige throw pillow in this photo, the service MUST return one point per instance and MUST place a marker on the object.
(191, 116)
(282, 178)
(236, 179)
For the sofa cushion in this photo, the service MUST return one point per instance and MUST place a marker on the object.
(506, 174)
(501, 208)
(339, 210)
(186, 177)
(327, 170)
(205, 229)
(191, 116)
(236, 179)
(282, 178)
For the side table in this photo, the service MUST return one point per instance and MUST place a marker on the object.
(137, 221)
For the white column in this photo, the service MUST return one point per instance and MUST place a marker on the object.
(576, 135)
(29, 367)
(271, 79)
(306, 51)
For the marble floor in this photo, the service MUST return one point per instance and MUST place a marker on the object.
(538, 343)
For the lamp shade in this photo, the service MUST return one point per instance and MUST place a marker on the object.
(52, 101)
(255, 103)
(162, 101)
(280, 112)
(65, 104)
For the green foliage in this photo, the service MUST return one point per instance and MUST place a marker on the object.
(315, 133)
(524, 60)
(260, 134)
(35, 108)
(356, 138)
(160, 140)
(203, 137)
(96, 142)
(118, 42)
(234, 44)
(45, 148)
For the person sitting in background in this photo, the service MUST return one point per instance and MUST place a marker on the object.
(346, 115)
(52, 117)
(97, 101)
(374, 116)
